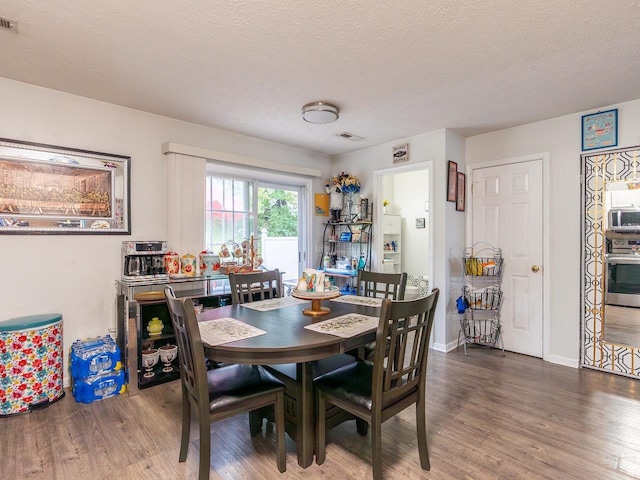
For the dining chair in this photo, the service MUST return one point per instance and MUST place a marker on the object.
(380, 285)
(253, 286)
(376, 391)
(221, 393)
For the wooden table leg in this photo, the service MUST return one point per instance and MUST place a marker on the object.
(305, 428)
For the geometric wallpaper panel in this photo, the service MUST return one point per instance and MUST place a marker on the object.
(598, 170)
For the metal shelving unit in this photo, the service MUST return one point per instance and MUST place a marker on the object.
(346, 241)
(481, 300)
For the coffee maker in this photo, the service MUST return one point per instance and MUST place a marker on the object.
(144, 261)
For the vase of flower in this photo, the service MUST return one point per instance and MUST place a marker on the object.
(342, 189)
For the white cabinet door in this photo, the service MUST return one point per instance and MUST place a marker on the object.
(390, 224)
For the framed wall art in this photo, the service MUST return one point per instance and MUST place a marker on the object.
(420, 223)
(451, 181)
(46, 189)
(460, 196)
(322, 204)
(401, 153)
(600, 130)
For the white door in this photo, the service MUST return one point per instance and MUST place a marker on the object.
(507, 206)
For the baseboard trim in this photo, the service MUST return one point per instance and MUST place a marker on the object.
(566, 361)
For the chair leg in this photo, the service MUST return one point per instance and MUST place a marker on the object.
(281, 452)
(421, 430)
(362, 427)
(255, 422)
(376, 449)
(320, 428)
(186, 426)
(205, 448)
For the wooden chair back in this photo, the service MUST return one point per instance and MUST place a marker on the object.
(382, 285)
(254, 286)
(193, 371)
(407, 326)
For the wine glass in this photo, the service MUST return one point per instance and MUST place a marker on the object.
(149, 360)
(168, 354)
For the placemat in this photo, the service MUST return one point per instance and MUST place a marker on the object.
(225, 330)
(273, 303)
(346, 326)
(359, 300)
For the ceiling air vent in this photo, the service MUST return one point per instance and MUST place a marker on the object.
(350, 136)
(8, 24)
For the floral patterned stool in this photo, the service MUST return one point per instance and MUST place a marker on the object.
(31, 354)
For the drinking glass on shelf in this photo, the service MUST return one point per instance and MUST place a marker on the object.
(168, 354)
(149, 360)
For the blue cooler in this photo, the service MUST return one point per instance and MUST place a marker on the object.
(31, 354)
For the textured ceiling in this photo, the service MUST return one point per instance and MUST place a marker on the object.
(395, 69)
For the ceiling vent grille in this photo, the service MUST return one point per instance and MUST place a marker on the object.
(350, 136)
(8, 24)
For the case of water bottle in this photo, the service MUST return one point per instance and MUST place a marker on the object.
(96, 369)
(97, 387)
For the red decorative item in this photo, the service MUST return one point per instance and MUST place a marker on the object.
(172, 263)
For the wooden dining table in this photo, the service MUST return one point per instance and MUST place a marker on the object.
(287, 341)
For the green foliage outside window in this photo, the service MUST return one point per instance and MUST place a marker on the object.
(278, 212)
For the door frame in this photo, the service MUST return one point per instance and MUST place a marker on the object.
(378, 212)
(546, 254)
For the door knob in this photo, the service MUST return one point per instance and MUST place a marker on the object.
(535, 268)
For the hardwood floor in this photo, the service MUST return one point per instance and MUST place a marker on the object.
(488, 417)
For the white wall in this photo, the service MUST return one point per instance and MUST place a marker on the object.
(448, 225)
(75, 274)
(411, 193)
(561, 138)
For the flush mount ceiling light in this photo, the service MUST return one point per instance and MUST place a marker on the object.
(320, 112)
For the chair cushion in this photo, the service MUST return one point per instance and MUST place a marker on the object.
(351, 382)
(234, 383)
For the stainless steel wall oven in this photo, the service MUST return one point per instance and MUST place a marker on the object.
(623, 272)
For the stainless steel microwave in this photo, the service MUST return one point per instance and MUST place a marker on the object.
(624, 219)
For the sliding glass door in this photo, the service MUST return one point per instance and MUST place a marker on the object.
(273, 212)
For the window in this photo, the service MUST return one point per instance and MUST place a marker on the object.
(230, 211)
(237, 208)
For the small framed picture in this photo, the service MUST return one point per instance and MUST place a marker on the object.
(322, 204)
(451, 181)
(460, 197)
(419, 222)
(600, 130)
(401, 153)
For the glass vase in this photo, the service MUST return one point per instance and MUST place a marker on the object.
(349, 199)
